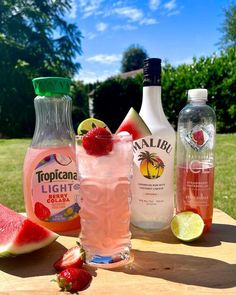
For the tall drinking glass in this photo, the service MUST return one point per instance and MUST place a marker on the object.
(105, 201)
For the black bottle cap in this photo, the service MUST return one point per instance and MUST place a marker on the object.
(152, 72)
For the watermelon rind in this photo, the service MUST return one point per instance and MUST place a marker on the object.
(134, 124)
(10, 250)
(20, 235)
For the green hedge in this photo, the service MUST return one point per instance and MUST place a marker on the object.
(113, 98)
(17, 114)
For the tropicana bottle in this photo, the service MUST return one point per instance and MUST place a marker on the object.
(50, 178)
(152, 202)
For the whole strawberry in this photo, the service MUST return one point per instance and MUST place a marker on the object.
(98, 142)
(73, 279)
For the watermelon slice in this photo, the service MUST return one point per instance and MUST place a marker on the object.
(19, 234)
(134, 124)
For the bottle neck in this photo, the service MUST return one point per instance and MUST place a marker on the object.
(151, 108)
(197, 101)
(53, 121)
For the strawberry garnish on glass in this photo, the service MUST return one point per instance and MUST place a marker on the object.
(98, 142)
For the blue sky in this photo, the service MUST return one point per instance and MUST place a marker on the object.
(173, 30)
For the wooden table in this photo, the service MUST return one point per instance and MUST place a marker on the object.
(162, 265)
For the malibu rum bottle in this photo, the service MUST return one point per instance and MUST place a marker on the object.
(152, 186)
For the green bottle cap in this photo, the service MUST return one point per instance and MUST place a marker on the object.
(51, 86)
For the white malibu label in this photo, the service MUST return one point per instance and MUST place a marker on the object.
(152, 183)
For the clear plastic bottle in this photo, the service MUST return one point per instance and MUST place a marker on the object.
(50, 178)
(195, 156)
(152, 203)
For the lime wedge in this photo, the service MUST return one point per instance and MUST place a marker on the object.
(187, 226)
(89, 124)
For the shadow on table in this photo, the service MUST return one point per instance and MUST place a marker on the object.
(183, 269)
(37, 263)
(217, 234)
(164, 236)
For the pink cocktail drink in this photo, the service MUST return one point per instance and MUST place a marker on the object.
(105, 202)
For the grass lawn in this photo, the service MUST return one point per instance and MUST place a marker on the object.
(12, 152)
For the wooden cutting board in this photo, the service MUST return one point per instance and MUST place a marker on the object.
(161, 265)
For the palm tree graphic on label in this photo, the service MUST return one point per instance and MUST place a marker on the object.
(151, 165)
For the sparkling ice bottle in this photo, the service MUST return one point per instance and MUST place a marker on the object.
(152, 185)
(50, 177)
(195, 156)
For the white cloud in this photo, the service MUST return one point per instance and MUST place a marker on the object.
(172, 8)
(174, 12)
(127, 27)
(170, 5)
(131, 13)
(134, 15)
(105, 59)
(91, 77)
(118, 3)
(154, 4)
(89, 7)
(73, 10)
(148, 21)
(101, 27)
(91, 36)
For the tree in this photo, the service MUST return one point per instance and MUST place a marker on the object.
(133, 58)
(35, 40)
(229, 27)
(113, 98)
(35, 34)
(80, 111)
(215, 73)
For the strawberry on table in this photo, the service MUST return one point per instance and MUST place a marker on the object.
(73, 257)
(73, 279)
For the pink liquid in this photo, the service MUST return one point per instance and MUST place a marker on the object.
(105, 202)
(105, 216)
(32, 160)
(195, 188)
